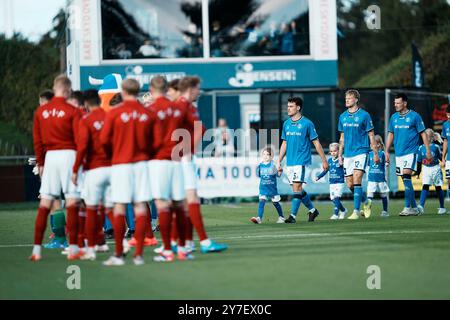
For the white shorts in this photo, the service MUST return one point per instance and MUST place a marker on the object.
(276, 198)
(57, 175)
(336, 190)
(97, 187)
(189, 174)
(408, 161)
(296, 174)
(358, 162)
(432, 176)
(447, 169)
(166, 180)
(129, 183)
(381, 187)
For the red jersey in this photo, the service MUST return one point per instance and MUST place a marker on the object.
(89, 147)
(128, 133)
(169, 117)
(195, 116)
(55, 127)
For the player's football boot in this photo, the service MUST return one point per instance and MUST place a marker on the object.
(89, 256)
(114, 261)
(420, 209)
(256, 220)
(184, 255)
(413, 212)
(334, 217)
(55, 243)
(138, 261)
(404, 212)
(384, 214)
(354, 216)
(290, 219)
(164, 257)
(75, 256)
(132, 242)
(102, 248)
(313, 215)
(190, 246)
(159, 250)
(342, 214)
(150, 242)
(280, 220)
(213, 247)
(35, 257)
(442, 211)
(367, 208)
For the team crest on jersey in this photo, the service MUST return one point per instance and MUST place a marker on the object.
(143, 118)
(356, 118)
(161, 115)
(98, 125)
(125, 117)
(53, 113)
(176, 113)
(408, 120)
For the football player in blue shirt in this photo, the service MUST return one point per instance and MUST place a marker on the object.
(445, 153)
(377, 178)
(405, 128)
(356, 128)
(431, 171)
(336, 180)
(267, 172)
(297, 134)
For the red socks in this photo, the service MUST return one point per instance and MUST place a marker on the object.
(81, 227)
(119, 233)
(72, 224)
(40, 224)
(139, 233)
(197, 221)
(174, 229)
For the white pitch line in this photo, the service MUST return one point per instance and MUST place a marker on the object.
(295, 235)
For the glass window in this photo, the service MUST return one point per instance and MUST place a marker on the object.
(137, 29)
(258, 28)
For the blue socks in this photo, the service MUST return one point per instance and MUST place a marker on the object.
(296, 202)
(307, 201)
(440, 193)
(278, 207)
(385, 203)
(261, 205)
(357, 196)
(408, 189)
(338, 206)
(423, 197)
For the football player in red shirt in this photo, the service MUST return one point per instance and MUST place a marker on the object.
(166, 172)
(128, 136)
(54, 134)
(97, 166)
(190, 91)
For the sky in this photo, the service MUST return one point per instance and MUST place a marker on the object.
(32, 18)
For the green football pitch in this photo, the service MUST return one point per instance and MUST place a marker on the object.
(321, 260)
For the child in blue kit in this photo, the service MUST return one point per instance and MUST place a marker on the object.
(431, 171)
(267, 172)
(377, 179)
(336, 180)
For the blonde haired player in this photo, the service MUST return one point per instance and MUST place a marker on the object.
(431, 170)
(55, 130)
